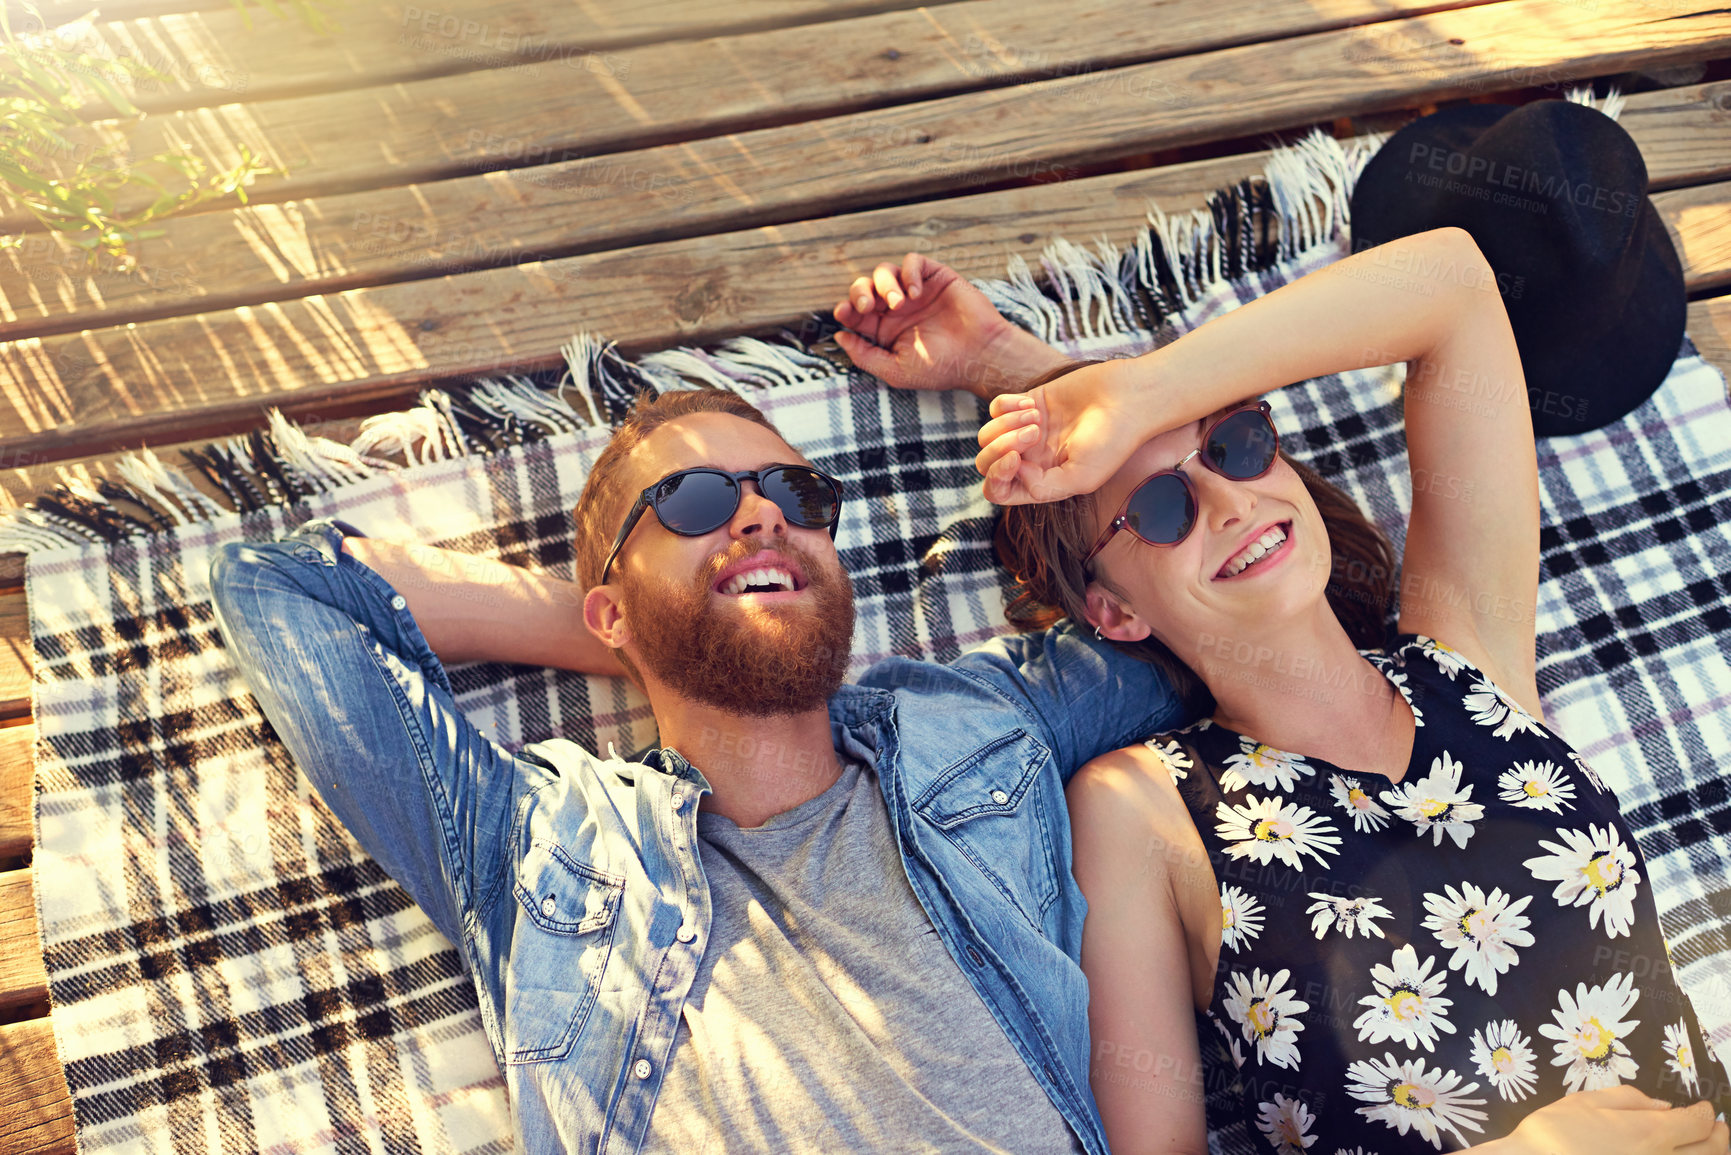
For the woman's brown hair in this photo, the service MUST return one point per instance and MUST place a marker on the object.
(1042, 545)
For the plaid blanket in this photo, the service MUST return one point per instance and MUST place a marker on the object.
(229, 972)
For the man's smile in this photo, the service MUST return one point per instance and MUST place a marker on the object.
(764, 575)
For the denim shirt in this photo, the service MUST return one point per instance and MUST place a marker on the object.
(571, 884)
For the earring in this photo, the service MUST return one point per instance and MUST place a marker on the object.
(1097, 634)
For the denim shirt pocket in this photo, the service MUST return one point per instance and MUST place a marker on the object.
(993, 807)
(567, 913)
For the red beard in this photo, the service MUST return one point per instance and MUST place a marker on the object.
(784, 660)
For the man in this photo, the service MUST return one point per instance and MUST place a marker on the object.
(820, 916)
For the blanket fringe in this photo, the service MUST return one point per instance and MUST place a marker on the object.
(1611, 105)
(1078, 295)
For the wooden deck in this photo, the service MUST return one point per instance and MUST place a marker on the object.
(464, 189)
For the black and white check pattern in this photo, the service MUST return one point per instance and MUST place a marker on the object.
(228, 972)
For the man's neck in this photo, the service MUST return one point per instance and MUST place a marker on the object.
(757, 767)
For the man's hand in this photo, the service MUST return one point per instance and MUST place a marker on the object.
(1619, 1119)
(1064, 437)
(924, 326)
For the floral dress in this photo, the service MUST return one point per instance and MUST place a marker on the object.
(1417, 966)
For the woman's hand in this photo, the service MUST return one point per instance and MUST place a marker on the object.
(924, 326)
(1064, 437)
(1619, 1119)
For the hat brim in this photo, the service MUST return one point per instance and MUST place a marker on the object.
(1604, 376)
(1575, 385)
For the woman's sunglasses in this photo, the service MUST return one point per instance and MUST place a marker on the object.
(1241, 445)
(693, 502)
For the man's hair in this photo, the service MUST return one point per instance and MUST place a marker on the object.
(604, 501)
(1042, 546)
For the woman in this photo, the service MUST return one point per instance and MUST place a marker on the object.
(1412, 913)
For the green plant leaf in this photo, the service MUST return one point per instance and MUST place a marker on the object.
(12, 175)
(113, 95)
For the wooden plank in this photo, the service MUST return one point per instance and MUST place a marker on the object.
(17, 790)
(689, 290)
(329, 244)
(37, 1118)
(16, 656)
(60, 12)
(1699, 220)
(1709, 327)
(23, 980)
(645, 297)
(435, 129)
(1684, 133)
(212, 58)
(973, 233)
(192, 377)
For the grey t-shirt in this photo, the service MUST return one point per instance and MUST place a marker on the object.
(826, 1014)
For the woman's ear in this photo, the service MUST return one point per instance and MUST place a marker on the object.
(1112, 617)
(605, 618)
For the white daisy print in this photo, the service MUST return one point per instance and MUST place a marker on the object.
(1235, 1047)
(1408, 1004)
(1177, 761)
(1589, 1034)
(1537, 786)
(1482, 929)
(1350, 916)
(1269, 829)
(1438, 802)
(1680, 1055)
(1240, 917)
(1587, 772)
(1350, 795)
(1595, 870)
(1267, 1013)
(1259, 764)
(1399, 681)
(1505, 1056)
(1406, 1096)
(1450, 662)
(1285, 1123)
(1497, 709)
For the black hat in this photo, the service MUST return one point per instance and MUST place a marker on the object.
(1555, 194)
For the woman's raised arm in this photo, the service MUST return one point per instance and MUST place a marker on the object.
(1470, 573)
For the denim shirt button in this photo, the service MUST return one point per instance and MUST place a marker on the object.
(686, 934)
(642, 1069)
(678, 799)
(1000, 797)
(399, 602)
(548, 906)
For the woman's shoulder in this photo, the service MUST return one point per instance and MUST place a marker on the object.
(1135, 788)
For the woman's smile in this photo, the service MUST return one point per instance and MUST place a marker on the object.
(1235, 568)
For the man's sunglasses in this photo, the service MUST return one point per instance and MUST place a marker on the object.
(1241, 445)
(693, 502)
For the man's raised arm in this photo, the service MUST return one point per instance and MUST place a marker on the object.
(924, 326)
(476, 609)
